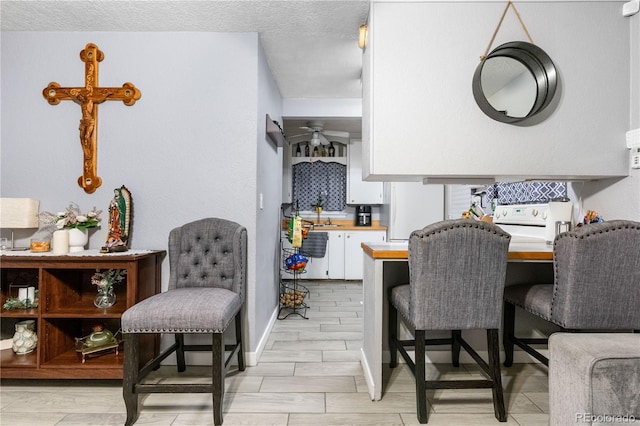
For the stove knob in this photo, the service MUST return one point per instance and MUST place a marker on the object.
(534, 212)
(544, 215)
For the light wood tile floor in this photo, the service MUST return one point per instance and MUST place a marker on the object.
(309, 374)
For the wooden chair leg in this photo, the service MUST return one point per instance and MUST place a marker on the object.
(421, 384)
(455, 347)
(217, 376)
(509, 318)
(493, 347)
(130, 377)
(180, 352)
(241, 363)
(393, 336)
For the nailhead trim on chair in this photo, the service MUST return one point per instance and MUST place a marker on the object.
(472, 224)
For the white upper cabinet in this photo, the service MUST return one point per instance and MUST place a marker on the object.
(420, 118)
(359, 191)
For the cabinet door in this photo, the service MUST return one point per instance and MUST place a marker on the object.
(359, 191)
(317, 267)
(287, 174)
(336, 255)
(353, 251)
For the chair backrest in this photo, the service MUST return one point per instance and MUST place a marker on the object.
(208, 252)
(457, 274)
(597, 276)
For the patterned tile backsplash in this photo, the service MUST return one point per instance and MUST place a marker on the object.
(310, 179)
(525, 192)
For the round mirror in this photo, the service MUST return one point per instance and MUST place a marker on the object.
(515, 81)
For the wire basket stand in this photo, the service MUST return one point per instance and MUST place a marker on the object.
(293, 295)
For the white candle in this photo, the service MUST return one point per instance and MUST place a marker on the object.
(22, 294)
(31, 293)
(61, 242)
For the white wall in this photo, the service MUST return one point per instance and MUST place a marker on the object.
(186, 150)
(619, 198)
(263, 302)
(425, 121)
(443, 132)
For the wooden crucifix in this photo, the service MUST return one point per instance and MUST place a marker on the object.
(88, 97)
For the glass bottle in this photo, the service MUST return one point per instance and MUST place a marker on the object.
(298, 151)
(332, 150)
(306, 150)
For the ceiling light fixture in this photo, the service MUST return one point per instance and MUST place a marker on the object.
(315, 139)
(363, 35)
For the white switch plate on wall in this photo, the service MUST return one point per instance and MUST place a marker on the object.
(635, 158)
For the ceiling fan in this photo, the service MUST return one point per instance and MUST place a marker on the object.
(316, 135)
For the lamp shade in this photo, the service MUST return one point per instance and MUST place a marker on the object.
(19, 213)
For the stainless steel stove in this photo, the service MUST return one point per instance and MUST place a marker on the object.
(525, 222)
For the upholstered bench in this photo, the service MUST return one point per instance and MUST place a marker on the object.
(594, 378)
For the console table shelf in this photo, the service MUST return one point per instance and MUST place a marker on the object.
(65, 310)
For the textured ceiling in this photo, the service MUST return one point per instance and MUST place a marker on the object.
(311, 46)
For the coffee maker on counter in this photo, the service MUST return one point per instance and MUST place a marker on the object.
(363, 215)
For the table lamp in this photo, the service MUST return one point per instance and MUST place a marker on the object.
(21, 213)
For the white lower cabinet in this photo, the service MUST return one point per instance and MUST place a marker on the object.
(317, 267)
(343, 259)
(353, 251)
(336, 255)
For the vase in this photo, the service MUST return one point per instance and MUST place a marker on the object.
(25, 338)
(78, 238)
(105, 297)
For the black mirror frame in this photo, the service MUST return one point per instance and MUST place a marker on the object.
(537, 62)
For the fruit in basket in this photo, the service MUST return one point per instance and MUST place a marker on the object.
(292, 298)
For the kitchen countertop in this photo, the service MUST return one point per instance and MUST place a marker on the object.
(338, 225)
(529, 251)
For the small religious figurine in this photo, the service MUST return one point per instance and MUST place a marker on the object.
(119, 221)
(87, 124)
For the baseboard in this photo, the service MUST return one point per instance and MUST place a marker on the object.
(252, 358)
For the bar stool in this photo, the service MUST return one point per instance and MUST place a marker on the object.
(596, 286)
(208, 261)
(457, 274)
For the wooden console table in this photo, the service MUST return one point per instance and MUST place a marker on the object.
(65, 310)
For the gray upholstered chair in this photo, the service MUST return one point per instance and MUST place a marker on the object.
(596, 285)
(594, 378)
(208, 260)
(457, 274)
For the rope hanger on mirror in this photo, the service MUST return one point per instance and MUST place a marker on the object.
(495, 32)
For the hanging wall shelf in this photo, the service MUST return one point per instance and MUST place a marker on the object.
(274, 131)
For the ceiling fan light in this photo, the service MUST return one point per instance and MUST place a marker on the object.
(315, 139)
